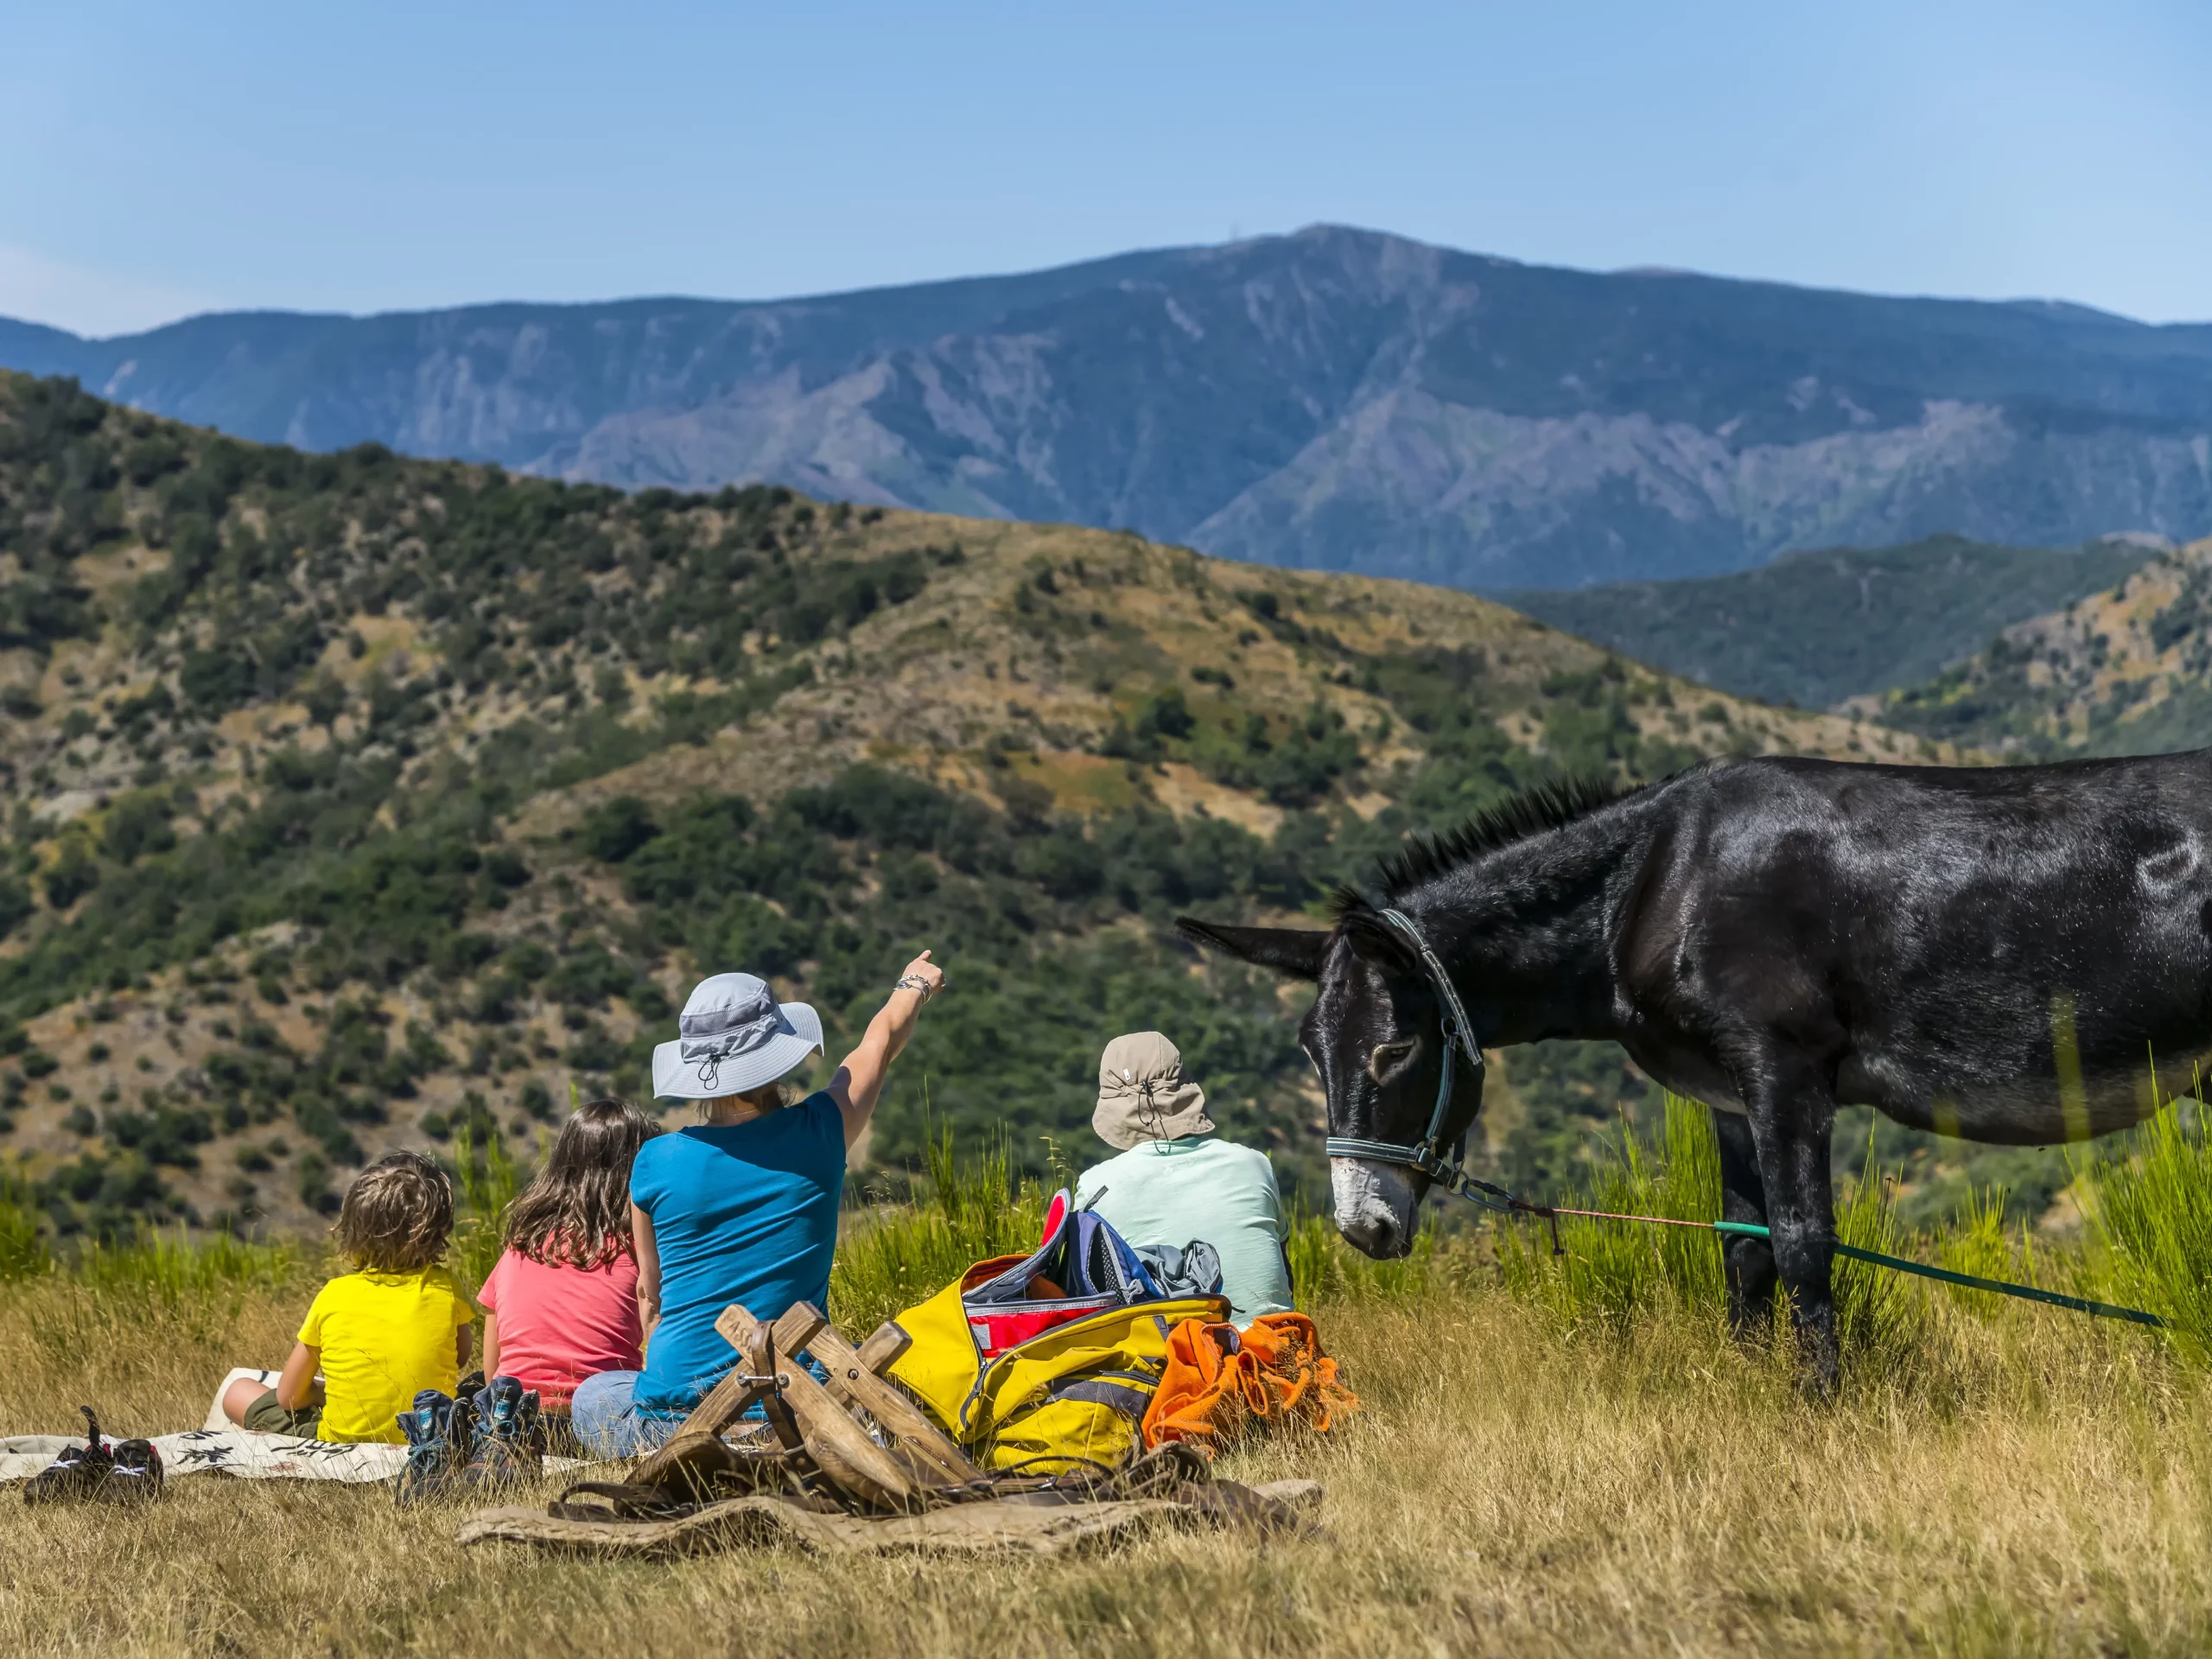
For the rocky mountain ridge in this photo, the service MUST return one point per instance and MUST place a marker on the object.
(1334, 399)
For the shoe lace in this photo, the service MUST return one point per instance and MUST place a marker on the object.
(426, 1457)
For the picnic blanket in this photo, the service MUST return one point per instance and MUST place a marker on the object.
(222, 1450)
(218, 1446)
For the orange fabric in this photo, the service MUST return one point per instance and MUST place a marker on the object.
(1220, 1381)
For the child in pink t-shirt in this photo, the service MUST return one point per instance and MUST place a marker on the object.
(562, 1305)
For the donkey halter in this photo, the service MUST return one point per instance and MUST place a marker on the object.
(1430, 1157)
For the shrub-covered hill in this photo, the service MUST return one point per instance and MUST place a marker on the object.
(1815, 628)
(360, 801)
(2126, 670)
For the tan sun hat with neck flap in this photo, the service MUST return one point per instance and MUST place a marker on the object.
(1142, 1095)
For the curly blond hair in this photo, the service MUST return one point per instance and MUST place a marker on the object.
(398, 1215)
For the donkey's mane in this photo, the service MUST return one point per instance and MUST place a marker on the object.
(1544, 806)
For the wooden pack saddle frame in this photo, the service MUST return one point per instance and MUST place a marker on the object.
(907, 1463)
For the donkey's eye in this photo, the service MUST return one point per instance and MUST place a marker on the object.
(1387, 1057)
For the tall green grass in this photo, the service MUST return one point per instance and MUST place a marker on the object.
(1609, 1271)
(2148, 1196)
(1323, 1269)
(159, 1293)
(489, 1179)
(174, 1267)
(893, 1256)
(1978, 1241)
(22, 1245)
(177, 1269)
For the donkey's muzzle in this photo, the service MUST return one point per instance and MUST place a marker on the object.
(1375, 1206)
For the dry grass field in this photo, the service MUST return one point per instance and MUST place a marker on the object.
(2016, 1481)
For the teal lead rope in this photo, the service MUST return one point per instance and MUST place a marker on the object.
(1972, 1281)
(1751, 1230)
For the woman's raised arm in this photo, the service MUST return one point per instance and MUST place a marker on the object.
(860, 1078)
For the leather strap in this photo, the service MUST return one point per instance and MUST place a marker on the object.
(1458, 1038)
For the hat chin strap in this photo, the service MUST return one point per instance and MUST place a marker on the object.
(1429, 1156)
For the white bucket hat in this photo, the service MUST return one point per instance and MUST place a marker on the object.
(734, 1037)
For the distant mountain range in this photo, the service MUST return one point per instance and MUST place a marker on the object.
(1813, 629)
(1335, 399)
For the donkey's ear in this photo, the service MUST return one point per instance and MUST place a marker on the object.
(1292, 951)
(1374, 938)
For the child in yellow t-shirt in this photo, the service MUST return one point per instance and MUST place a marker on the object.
(396, 1326)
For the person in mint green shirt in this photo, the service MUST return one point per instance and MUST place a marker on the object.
(1175, 1183)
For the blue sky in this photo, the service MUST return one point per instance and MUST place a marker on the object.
(164, 159)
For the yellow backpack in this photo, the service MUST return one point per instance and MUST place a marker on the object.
(1074, 1395)
(1047, 1363)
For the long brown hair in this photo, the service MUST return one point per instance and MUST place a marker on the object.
(396, 1216)
(576, 1210)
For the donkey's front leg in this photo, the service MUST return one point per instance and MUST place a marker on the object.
(1792, 1112)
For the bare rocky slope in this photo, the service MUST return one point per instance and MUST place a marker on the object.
(1335, 399)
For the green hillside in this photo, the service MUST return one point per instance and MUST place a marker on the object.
(359, 801)
(1815, 628)
(2128, 671)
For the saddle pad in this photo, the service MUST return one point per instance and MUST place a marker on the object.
(1001, 1525)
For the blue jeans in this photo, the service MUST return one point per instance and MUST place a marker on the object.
(605, 1418)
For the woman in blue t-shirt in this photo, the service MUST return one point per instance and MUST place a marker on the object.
(743, 1206)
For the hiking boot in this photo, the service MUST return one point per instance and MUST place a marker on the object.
(78, 1473)
(134, 1477)
(510, 1442)
(431, 1426)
